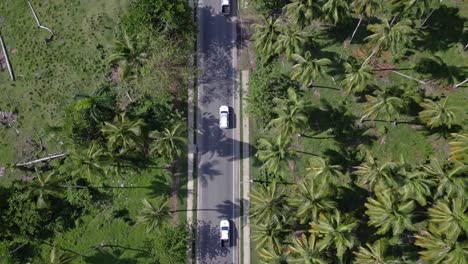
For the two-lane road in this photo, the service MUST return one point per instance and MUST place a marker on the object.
(218, 149)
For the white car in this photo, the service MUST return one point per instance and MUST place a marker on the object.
(224, 229)
(224, 116)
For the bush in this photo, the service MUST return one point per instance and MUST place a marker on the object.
(170, 245)
(270, 7)
(266, 83)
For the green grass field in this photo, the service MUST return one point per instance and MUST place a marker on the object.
(49, 75)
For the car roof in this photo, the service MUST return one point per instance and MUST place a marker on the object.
(224, 223)
(224, 108)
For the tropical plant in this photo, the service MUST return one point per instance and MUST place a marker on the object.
(357, 77)
(89, 163)
(372, 173)
(100, 104)
(124, 134)
(451, 182)
(153, 215)
(266, 35)
(269, 235)
(321, 170)
(307, 69)
(383, 107)
(306, 250)
(44, 187)
(269, 256)
(291, 41)
(290, 113)
(390, 37)
(387, 214)
(439, 249)
(335, 11)
(169, 143)
(450, 217)
(128, 56)
(364, 8)
(437, 114)
(416, 185)
(57, 256)
(310, 198)
(275, 155)
(268, 204)
(459, 148)
(301, 12)
(372, 253)
(335, 231)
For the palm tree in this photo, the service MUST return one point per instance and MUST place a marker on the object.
(372, 173)
(450, 217)
(416, 185)
(335, 11)
(450, 182)
(124, 134)
(383, 107)
(459, 148)
(269, 256)
(307, 69)
(413, 8)
(59, 257)
(372, 253)
(291, 41)
(439, 249)
(301, 11)
(128, 56)
(291, 114)
(275, 155)
(386, 214)
(169, 143)
(321, 170)
(266, 35)
(389, 37)
(437, 114)
(45, 186)
(310, 198)
(100, 104)
(88, 163)
(356, 79)
(365, 8)
(268, 204)
(335, 231)
(268, 235)
(305, 250)
(154, 215)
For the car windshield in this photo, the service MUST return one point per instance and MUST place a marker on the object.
(225, 228)
(224, 112)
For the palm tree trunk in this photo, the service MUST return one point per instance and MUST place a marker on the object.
(355, 30)
(425, 20)
(409, 77)
(455, 86)
(7, 60)
(370, 56)
(54, 156)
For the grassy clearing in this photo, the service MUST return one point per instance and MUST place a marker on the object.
(49, 75)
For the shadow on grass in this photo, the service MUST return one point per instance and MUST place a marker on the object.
(443, 28)
(439, 69)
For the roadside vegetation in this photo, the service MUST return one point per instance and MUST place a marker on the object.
(360, 126)
(93, 132)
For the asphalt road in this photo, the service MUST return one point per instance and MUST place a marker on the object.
(218, 149)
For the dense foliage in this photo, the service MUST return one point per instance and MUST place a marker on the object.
(130, 129)
(362, 135)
